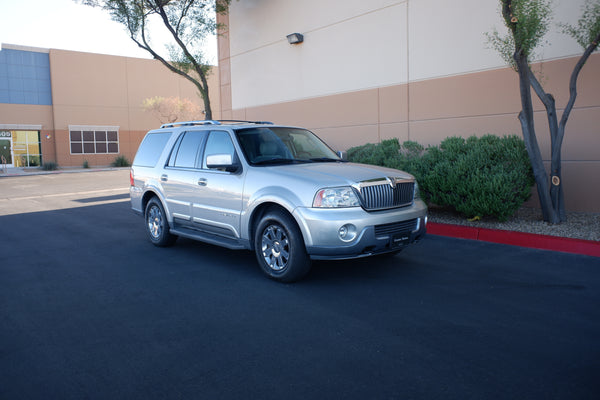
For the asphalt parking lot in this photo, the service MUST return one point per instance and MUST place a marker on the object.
(90, 309)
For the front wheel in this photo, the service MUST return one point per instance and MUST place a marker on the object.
(157, 226)
(279, 247)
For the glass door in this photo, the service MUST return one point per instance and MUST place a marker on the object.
(6, 158)
(26, 149)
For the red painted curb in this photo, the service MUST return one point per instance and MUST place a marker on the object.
(531, 240)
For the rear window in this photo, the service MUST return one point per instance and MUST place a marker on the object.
(151, 148)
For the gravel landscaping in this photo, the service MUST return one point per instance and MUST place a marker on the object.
(579, 225)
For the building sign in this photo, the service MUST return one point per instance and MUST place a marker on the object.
(5, 134)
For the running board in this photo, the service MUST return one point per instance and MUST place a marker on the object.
(210, 238)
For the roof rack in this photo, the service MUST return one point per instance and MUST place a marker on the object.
(239, 121)
(213, 122)
(191, 123)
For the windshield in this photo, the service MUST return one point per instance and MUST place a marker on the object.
(280, 145)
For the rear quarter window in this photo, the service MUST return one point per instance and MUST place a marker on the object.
(151, 148)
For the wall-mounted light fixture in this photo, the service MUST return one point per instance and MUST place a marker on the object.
(295, 38)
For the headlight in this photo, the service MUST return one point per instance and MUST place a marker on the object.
(417, 193)
(336, 197)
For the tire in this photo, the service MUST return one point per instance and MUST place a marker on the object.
(279, 247)
(157, 226)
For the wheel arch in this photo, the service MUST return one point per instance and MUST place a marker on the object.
(263, 209)
(146, 198)
(151, 193)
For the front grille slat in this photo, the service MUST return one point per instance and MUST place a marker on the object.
(402, 227)
(380, 195)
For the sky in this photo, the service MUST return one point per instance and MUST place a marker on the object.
(67, 25)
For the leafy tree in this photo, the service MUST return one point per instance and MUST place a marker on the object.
(527, 22)
(188, 22)
(171, 109)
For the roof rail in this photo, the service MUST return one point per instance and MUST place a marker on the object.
(213, 122)
(191, 123)
(247, 122)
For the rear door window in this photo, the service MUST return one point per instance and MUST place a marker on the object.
(186, 153)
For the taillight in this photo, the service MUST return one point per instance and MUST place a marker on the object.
(131, 183)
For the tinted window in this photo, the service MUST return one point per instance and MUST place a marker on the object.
(151, 149)
(266, 146)
(218, 142)
(186, 153)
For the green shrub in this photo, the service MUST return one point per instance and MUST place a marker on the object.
(385, 153)
(121, 161)
(86, 164)
(389, 153)
(50, 166)
(487, 176)
(34, 161)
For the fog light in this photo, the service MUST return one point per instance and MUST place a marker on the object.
(347, 233)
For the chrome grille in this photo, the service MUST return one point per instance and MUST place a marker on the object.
(386, 193)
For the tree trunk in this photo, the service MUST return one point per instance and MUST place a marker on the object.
(533, 149)
(556, 192)
(556, 189)
(205, 98)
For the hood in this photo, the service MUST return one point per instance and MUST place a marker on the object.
(338, 174)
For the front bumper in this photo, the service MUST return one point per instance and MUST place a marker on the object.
(376, 232)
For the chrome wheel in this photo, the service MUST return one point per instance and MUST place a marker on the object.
(275, 247)
(157, 226)
(279, 247)
(155, 222)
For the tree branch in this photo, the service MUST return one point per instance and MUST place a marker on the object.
(183, 47)
(573, 82)
(550, 104)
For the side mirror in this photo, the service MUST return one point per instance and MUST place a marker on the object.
(343, 155)
(221, 161)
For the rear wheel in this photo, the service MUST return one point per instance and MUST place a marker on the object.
(279, 247)
(157, 226)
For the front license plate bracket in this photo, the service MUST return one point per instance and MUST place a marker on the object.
(399, 240)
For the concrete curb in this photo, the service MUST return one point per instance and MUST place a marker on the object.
(522, 239)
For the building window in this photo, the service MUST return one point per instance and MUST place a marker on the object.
(24, 76)
(94, 139)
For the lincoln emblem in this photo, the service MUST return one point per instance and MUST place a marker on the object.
(391, 181)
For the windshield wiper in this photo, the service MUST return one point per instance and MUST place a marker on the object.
(279, 161)
(325, 159)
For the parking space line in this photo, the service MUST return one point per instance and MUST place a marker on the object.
(124, 190)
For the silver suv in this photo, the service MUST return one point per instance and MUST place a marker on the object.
(277, 190)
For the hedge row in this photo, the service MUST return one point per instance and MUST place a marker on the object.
(486, 176)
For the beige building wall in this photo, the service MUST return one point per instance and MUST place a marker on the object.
(100, 90)
(96, 90)
(416, 76)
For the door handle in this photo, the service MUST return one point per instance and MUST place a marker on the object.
(202, 182)
(164, 178)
